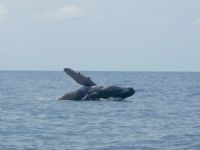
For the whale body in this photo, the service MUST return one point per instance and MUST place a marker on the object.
(90, 91)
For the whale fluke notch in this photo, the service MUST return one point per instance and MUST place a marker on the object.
(79, 78)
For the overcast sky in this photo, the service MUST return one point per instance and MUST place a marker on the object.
(135, 35)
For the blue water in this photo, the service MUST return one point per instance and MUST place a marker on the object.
(164, 113)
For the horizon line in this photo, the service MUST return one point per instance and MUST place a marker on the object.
(181, 71)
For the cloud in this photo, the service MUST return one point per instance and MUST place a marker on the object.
(65, 13)
(197, 21)
(3, 11)
(1, 50)
(154, 20)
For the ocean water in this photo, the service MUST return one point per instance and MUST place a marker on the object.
(163, 114)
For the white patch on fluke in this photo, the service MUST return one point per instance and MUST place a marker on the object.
(65, 13)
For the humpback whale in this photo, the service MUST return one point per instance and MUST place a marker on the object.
(91, 91)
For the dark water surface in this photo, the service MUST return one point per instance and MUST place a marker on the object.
(164, 113)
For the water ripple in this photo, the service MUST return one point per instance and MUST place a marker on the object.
(164, 113)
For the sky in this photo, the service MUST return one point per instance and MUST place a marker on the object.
(100, 35)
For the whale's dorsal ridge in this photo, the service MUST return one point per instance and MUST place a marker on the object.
(79, 78)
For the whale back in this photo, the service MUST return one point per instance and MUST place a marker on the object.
(75, 95)
(117, 92)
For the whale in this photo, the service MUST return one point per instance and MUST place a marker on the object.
(89, 90)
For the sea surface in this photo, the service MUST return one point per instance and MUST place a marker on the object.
(163, 114)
